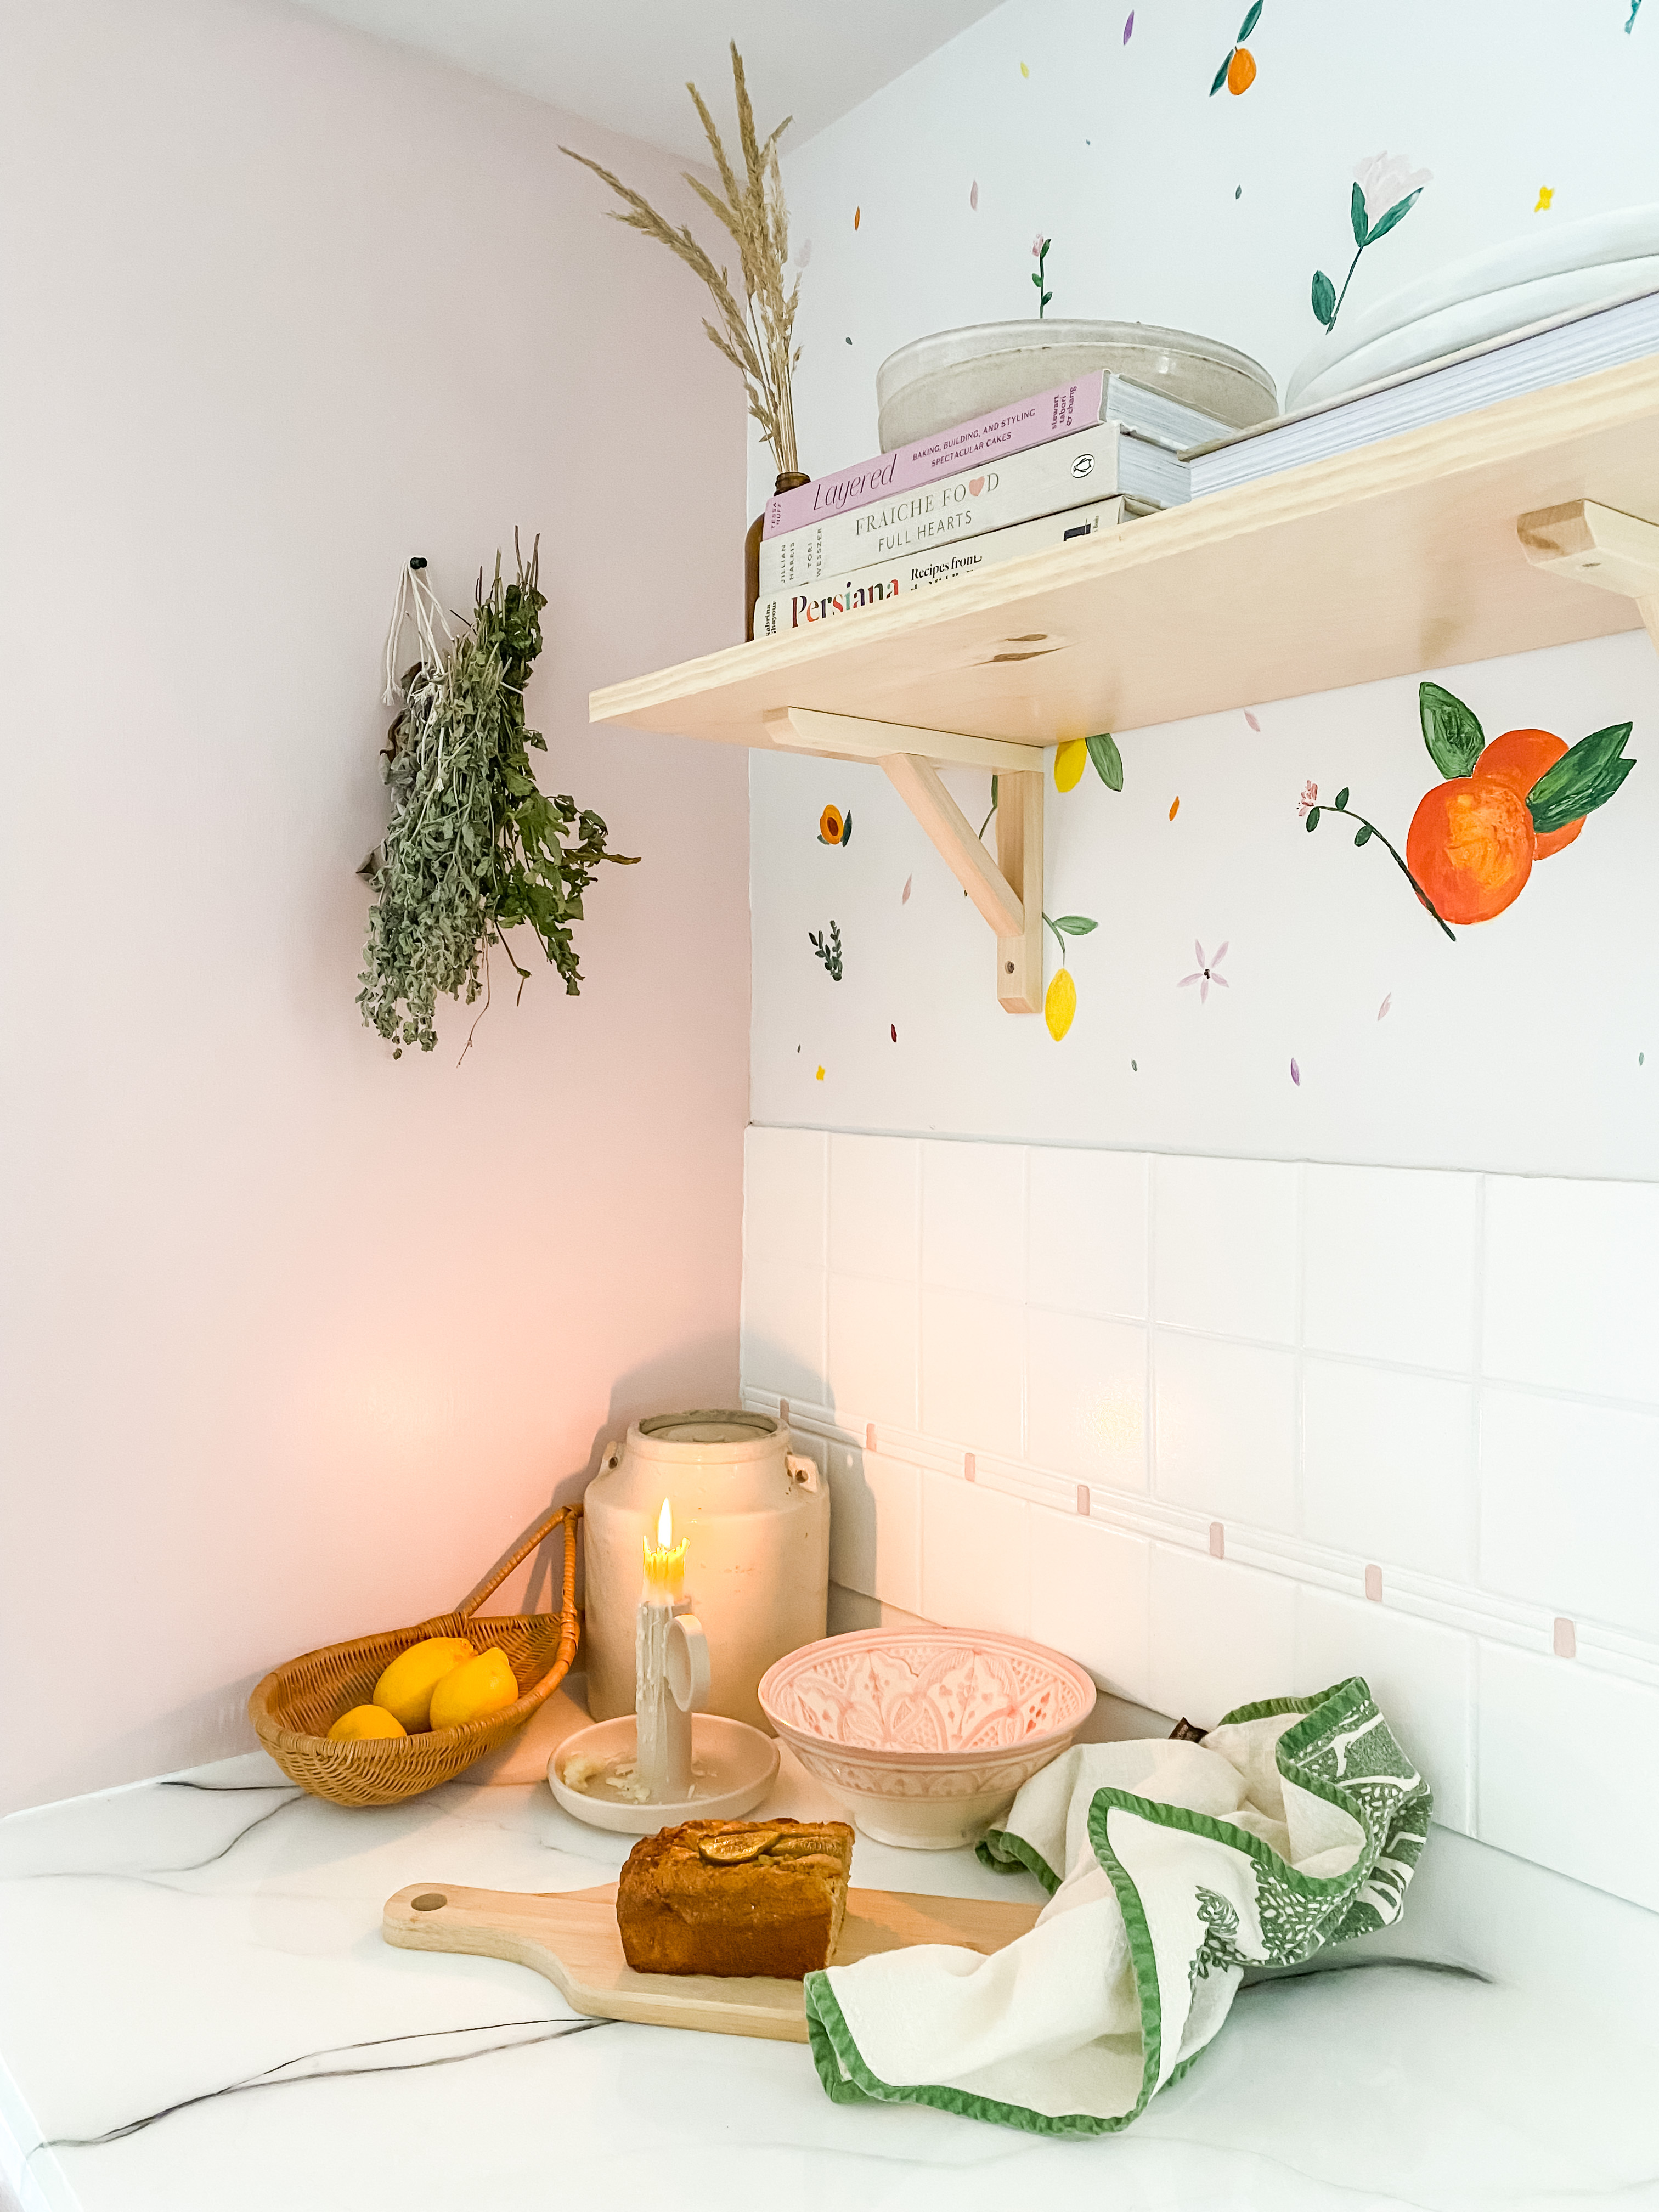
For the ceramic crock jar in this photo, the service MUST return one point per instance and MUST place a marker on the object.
(756, 1516)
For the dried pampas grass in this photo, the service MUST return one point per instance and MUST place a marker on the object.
(755, 338)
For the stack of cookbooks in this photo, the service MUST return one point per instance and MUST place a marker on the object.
(1034, 474)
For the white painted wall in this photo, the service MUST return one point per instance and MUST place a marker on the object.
(297, 1337)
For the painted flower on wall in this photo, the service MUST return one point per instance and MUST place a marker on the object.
(1237, 71)
(1206, 972)
(1040, 246)
(1386, 188)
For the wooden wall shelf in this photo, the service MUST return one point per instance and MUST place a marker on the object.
(1460, 542)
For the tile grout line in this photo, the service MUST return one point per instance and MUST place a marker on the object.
(1149, 1262)
(1477, 1365)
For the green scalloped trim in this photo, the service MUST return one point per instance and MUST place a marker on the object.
(1004, 1852)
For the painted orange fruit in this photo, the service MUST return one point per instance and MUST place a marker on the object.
(1518, 758)
(829, 825)
(1240, 70)
(1470, 846)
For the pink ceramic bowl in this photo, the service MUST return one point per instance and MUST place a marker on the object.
(925, 1733)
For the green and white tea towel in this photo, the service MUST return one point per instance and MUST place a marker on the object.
(1295, 1824)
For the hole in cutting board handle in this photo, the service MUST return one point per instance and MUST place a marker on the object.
(429, 1900)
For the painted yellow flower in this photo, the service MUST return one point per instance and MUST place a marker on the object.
(1060, 1004)
(1070, 761)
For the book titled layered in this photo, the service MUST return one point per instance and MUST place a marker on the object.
(1527, 360)
(1071, 471)
(781, 613)
(1081, 404)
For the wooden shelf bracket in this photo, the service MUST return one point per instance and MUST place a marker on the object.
(1599, 546)
(1007, 891)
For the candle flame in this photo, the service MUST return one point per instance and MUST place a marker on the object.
(665, 1527)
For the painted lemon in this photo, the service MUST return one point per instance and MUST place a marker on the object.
(1060, 1004)
(474, 1690)
(406, 1686)
(1070, 761)
(365, 1720)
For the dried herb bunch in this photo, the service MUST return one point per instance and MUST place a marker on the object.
(474, 847)
(757, 338)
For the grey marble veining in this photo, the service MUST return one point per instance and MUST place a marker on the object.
(207, 1948)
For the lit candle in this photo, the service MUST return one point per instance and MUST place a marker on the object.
(663, 1760)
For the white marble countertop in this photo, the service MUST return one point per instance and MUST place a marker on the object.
(161, 1943)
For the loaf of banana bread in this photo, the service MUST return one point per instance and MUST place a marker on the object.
(735, 1896)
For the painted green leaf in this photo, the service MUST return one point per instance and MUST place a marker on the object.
(1250, 22)
(1357, 213)
(1324, 298)
(1450, 732)
(1582, 780)
(993, 791)
(846, 828)
(1364, 836)
(1221, 73)
(1341, 798)
(1073, 925)
(1395, 213)
(1108, 761)
(1313, 819)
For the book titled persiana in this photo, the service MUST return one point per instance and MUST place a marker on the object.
(1009, 429)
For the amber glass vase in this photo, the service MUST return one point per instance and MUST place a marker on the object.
(787, 480)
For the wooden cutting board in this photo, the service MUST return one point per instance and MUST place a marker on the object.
(571, 1936)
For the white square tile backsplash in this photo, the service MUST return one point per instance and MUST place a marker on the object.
(1086, 1244)
(1223, 1247)
(1085, 1392)
(1415, 1417)
(1387, 1466)
(1225, 1436)
(1572, 1285)
(1388, 1260)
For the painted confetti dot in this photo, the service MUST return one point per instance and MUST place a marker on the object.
(1253, 722)
(973, 193)
(1386, 1004)
(1024, 71)
(892, 1031)
(819, 1077)
(1295, 1072)
(857, 212)
(904, 895)
(1546, 194)
(1174, 807)
(1129, 28)
(1135, 1063)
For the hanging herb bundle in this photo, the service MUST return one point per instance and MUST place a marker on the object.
(474, 847)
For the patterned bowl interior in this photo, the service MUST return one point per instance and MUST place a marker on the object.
(927, 1695)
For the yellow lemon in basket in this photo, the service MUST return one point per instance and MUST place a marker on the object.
(1070, 761)
(483, 1686)
(362, 1721)
(406, 1686)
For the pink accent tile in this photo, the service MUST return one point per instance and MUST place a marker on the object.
(1565, 1640)
(967, 1466)
(1218, 1541)
(1374, 1584)
(1083, 1499)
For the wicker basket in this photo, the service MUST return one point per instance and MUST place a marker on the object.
(294, 1707)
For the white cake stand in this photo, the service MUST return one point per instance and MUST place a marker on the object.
(734, 1765)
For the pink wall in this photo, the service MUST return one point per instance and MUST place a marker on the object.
(298, 1337)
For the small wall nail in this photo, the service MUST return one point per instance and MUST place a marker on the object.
(1566, 1640)
(1083, 1499)
(1374, 1584)
(967, 1466)
(1218, 1541)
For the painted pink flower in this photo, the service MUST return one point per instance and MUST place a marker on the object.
(1385, 179)
(1310, 798)
(1206, 972)
(1037, 244)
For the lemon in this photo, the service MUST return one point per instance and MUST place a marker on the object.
(1070, 761)
(406, 1686)
(1060, 1004)
(364, 1721)
(468, 1692)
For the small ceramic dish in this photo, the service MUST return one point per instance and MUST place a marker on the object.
(924, 1735)
(733, 1766)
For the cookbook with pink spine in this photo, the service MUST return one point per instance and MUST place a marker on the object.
(1009, 429)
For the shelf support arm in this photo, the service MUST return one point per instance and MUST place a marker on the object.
(1007, 891)
(1599, 546)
